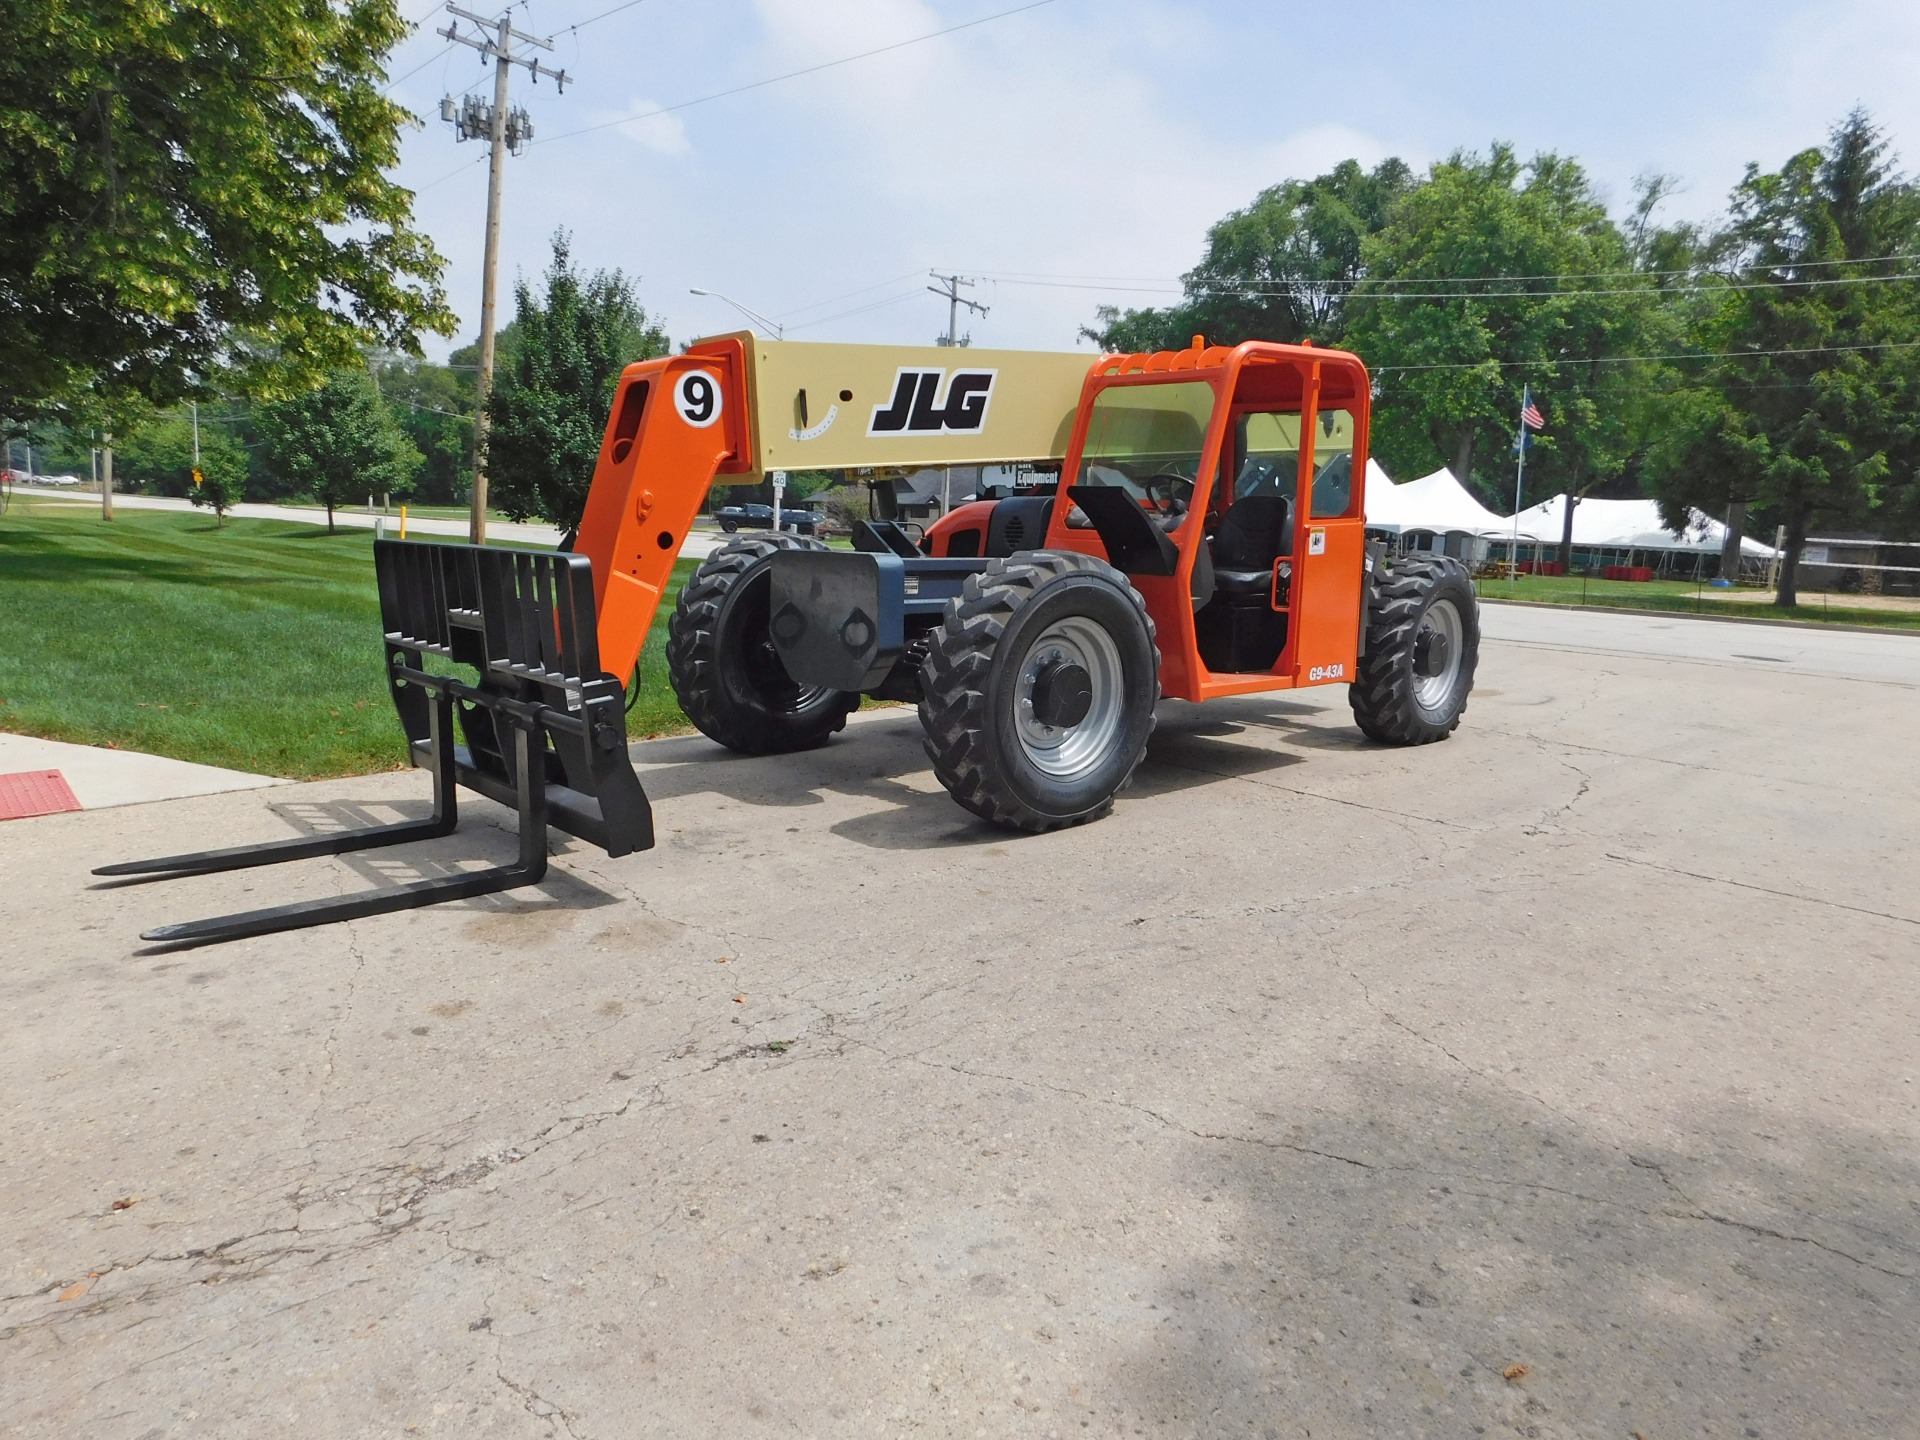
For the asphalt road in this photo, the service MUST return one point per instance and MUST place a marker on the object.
(1559, 1080)
(1890, 656)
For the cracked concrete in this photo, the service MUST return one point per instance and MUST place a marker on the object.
(1313, 1092)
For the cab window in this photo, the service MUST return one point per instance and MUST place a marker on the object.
(1147, 440)
(1268, 446)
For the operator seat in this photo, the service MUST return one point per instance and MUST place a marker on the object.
(1253, 535)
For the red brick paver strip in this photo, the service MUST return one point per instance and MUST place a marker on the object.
(35, 792)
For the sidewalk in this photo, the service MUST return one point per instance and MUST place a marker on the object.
(696, 547)
(46, 777)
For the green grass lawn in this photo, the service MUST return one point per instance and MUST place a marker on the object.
(1685, 598)
(255, 645)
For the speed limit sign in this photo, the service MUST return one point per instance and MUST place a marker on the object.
(696, 395)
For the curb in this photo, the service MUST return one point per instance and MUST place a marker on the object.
(1911, 631)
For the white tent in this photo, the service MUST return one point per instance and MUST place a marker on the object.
(1379, 497)
(1437, 503)
(1626, 525)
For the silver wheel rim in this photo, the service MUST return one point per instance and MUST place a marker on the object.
(1070, 752)
(1442, 621)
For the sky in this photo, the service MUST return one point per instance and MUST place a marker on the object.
(1075, 153)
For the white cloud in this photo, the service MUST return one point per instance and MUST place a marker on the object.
(664, 134)
(1000, 154)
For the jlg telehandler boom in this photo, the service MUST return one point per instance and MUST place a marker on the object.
(1205, 538)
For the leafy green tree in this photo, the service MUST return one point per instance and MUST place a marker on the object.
(549, 407)
(435, 408)
(1280, 269)
(1811, 408)
(158, 457)
(1493, 277)
(464, 362)
(176, 176)
(339, 443)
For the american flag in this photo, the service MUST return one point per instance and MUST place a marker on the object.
(1530, 415)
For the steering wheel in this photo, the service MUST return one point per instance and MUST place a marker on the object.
(1168, 493)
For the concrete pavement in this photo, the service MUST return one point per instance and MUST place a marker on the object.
(1559, 1080)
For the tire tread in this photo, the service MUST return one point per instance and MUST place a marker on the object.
(954, 682)
(693, 657)
(1381, 695)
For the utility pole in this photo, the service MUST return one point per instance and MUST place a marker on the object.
(506, 130)
(949, 290)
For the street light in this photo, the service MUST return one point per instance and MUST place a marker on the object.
(779, 331)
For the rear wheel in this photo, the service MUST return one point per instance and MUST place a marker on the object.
(723, 666)
(1038, 690)
(1423, 644)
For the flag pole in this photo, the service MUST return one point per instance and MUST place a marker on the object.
(1519, 477)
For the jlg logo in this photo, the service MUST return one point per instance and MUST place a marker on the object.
(918, 407)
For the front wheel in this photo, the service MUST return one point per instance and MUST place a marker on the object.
(1038, 690)
(723, 666)
(1423, 644)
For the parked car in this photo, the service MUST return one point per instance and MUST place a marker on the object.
(760, 517)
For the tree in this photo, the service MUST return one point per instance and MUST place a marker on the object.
(549, 407)
(1278, 270)
(435, 408)
(197, 187)
(1492, 278)
(1810, 407)
(158, 456)
(338, 443)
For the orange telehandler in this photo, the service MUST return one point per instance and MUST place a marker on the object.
(1205, 538)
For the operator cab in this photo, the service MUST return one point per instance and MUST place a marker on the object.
(1204, 479)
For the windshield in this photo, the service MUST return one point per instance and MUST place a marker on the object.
(1138, 433)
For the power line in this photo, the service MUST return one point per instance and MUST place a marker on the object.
(601, 16)
(393, 85)
(859, 310)
(795, 74)
(912, 274)
(436, 410)
(1012, 276)
(1713, 289)
(1632, 359)
(450, 175)
(1357, 293)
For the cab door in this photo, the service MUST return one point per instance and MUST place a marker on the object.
(1330, 535)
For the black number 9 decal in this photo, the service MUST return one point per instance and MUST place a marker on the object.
(697, 398)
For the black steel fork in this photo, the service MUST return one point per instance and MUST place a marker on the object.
(529, 746)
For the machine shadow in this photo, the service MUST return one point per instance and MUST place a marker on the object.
(1449, 1258)
(487, 836)
(490, 832)
(881, 759)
